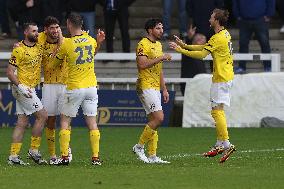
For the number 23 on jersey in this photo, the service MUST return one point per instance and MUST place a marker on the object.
(85, 54)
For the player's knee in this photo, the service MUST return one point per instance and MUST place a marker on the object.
(217, 106)
(22, 123)
(160, 119)
(42, 116)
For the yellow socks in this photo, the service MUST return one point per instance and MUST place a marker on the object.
(15, 148)
(153, 144)
(146, 135)
(50, 137)
(151, 136)
(95, 142)
(35, 142)
(64, 140)
(221, 124)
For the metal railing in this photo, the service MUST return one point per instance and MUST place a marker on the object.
(275, 67)
(275, 58)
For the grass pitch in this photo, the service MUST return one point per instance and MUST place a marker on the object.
(257, 163)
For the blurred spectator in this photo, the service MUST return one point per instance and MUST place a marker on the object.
(54, 8)
(86, 8)
(253, 17)
(190, 66)
(200, 11)
(280, 10)
(117, 10)
(23, 11)
(4, 19)
(228, 5)
(167, 8)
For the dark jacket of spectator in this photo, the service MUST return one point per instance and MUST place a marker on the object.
(54, 8)
(200, 12)
(253, 18)
(81, 5)
(243, 8)
(117, 4)
(21, 13)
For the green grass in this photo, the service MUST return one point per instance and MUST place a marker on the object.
(262, 167)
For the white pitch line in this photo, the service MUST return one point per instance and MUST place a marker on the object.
(242, 151)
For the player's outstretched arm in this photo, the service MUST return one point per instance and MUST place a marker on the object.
(194, 54)
(143, 62)
(59, 43)
(59, 52)
(194, 47)
(183, 45)
(179, 41)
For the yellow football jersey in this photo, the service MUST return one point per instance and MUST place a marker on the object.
(149, 77)
(27, 59)
(79, 52)
(51, 75)
(220, 47)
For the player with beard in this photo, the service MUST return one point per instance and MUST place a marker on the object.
(220, 47)
(150, 81)
(26, 60)
(54, 85)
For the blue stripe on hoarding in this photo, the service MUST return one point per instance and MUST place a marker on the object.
(115, 107)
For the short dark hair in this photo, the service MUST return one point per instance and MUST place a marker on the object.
(28, 24)
(152, 23)
(50, 20)
(222, 16)
(75, 19)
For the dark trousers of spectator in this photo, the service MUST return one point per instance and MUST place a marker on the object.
(280, 8)
(121, 16)
(4, 19)
(167, 8)
(261, 30)
(53, 8)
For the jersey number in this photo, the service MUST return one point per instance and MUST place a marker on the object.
(82, 51)
(230, 45)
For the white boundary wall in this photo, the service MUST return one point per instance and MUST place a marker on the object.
(254, 96)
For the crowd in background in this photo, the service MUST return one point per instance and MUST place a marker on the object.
(252, 20)
(22, 11)
(190, 11)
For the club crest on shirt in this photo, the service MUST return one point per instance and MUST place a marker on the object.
(13, 60)
(140, 52)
